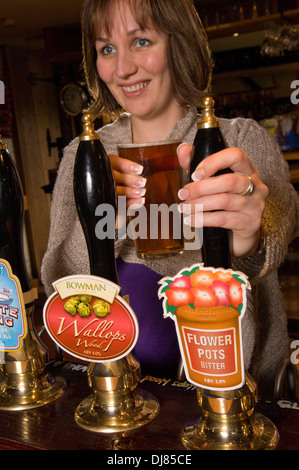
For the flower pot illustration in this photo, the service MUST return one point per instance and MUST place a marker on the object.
(207, 306)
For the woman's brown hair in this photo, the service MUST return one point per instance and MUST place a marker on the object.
(189, 56)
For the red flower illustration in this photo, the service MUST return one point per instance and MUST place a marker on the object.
(181, 282)
(221, 290)
(224, 276)
(178, 296)
(204, 296)
(235, 292)
(202, 278)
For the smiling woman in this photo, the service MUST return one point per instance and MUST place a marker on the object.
(189, 57)
(151, 59)
(133, 64)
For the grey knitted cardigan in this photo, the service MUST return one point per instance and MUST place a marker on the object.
(264, 326)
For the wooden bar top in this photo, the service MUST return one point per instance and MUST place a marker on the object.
(52, 426)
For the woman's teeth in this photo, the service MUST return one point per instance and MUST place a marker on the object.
(134, 88)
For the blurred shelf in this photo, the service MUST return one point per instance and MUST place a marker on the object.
(294, 174)
(267, 69)
(289, 156)
(252, 24)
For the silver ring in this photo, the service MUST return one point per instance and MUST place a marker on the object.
(250, 188)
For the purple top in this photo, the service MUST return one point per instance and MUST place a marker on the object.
(157, 347)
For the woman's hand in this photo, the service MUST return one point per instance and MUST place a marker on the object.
(129, 184)
(128, 181)
(223, 198)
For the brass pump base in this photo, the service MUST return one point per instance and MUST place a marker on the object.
(26, 391)
(228, 422)
(257, 433)
(116, 404)
(24, 383)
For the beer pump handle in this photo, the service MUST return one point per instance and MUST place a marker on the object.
(209, 140)
(12, 218)
(95, 198)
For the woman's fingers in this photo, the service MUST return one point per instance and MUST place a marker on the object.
(232, 212)
(235, 201)
(124, 165)
(128, 179)
(185, 155)
(231, 157)
(229, 183)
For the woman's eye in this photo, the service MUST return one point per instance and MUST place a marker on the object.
(107, 50)
(142, 42)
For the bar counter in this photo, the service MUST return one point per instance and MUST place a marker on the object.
(52, 426)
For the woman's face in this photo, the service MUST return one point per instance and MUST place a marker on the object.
(133, 64)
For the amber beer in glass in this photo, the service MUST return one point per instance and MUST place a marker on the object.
(157, 226)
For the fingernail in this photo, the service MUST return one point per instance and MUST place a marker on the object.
(179, 146)
(183, 194)
(136, 169)
(136, 206)
(140, 182)
(187, 220)
(139, 192)
(198, 174)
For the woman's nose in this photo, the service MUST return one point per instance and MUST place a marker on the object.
(126, 64)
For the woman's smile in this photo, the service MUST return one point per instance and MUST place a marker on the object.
(135, 89)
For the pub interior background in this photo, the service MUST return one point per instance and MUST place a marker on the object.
(255, 46)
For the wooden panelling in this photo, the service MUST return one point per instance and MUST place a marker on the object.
(35, 111)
